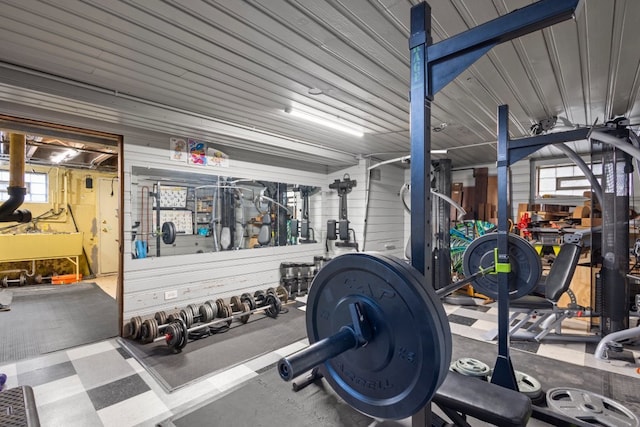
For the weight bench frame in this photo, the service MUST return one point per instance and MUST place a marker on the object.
(549, 316)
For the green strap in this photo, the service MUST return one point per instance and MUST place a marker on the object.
(501, 267)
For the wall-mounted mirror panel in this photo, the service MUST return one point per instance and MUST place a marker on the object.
(176, 213)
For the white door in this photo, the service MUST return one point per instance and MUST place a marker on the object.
(108, 225)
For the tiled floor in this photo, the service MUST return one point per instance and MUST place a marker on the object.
(102, 385)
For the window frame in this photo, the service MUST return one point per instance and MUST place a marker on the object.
(29, 196)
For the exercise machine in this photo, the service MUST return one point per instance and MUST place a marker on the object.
(340, 229)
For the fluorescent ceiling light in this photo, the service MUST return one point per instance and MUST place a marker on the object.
(63, 156)
(438, 151)
(329, 123)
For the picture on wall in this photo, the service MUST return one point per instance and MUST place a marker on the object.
(178, 149)
(173, 197)
(217, 158)
(197, 152)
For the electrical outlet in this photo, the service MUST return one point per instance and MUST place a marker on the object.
(170, 295)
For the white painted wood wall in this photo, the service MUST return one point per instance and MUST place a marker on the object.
(200, 276)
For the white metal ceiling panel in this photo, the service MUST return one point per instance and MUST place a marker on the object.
(244, 61)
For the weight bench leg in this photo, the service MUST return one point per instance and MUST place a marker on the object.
(521, 322)
(541, 318)
(309, 379)
(493, 333)
(551, 324)
(457, 419)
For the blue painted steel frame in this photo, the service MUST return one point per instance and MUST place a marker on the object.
(433, 66)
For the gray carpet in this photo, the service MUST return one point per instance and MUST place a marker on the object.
(221, 351)
(47, 318)
(272, 401)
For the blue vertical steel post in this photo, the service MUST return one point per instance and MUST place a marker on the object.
(503, 374)
(421, 98)
(420, 119)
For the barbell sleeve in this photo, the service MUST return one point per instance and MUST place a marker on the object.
(356, 335)
(317, 353)
(452, 287)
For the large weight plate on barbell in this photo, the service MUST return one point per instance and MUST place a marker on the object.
(526, 266)
(400, 369)
(168, 232)
(584, 405)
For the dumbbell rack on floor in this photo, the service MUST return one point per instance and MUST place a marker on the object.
(199, 321)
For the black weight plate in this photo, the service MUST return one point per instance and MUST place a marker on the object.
(220, 306)
(227, 313)
(236, 304)
(205, 313)
(271, 306)
(168, 233)
(248, 298)
(244, 307)
(282, 293)
(145, 331)
(399, 370)
(127, 331)
(259, 297)
(187, 316)
(214, 308)
(195, 310)
(271, 291)
(526, 266)
(161, 317)
(152, 330)
(173, 334)
(136, 325)
(184, 336)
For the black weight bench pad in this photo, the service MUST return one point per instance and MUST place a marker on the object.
(482, 400)
(532, 302)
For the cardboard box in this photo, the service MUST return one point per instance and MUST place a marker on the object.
(581, 212)
(590, 222)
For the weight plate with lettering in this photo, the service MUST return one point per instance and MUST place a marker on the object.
(401, 367)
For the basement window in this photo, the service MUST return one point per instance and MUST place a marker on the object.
(36, 183)
(565, 180)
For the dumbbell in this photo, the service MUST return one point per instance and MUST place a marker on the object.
(21, 281)
(204, 313)
(39, 278)
(176, 332)
(280, 292)
(134, 329)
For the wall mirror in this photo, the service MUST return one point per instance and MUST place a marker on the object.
(175, 213)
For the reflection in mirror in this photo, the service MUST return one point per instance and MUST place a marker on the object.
(177, 213)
